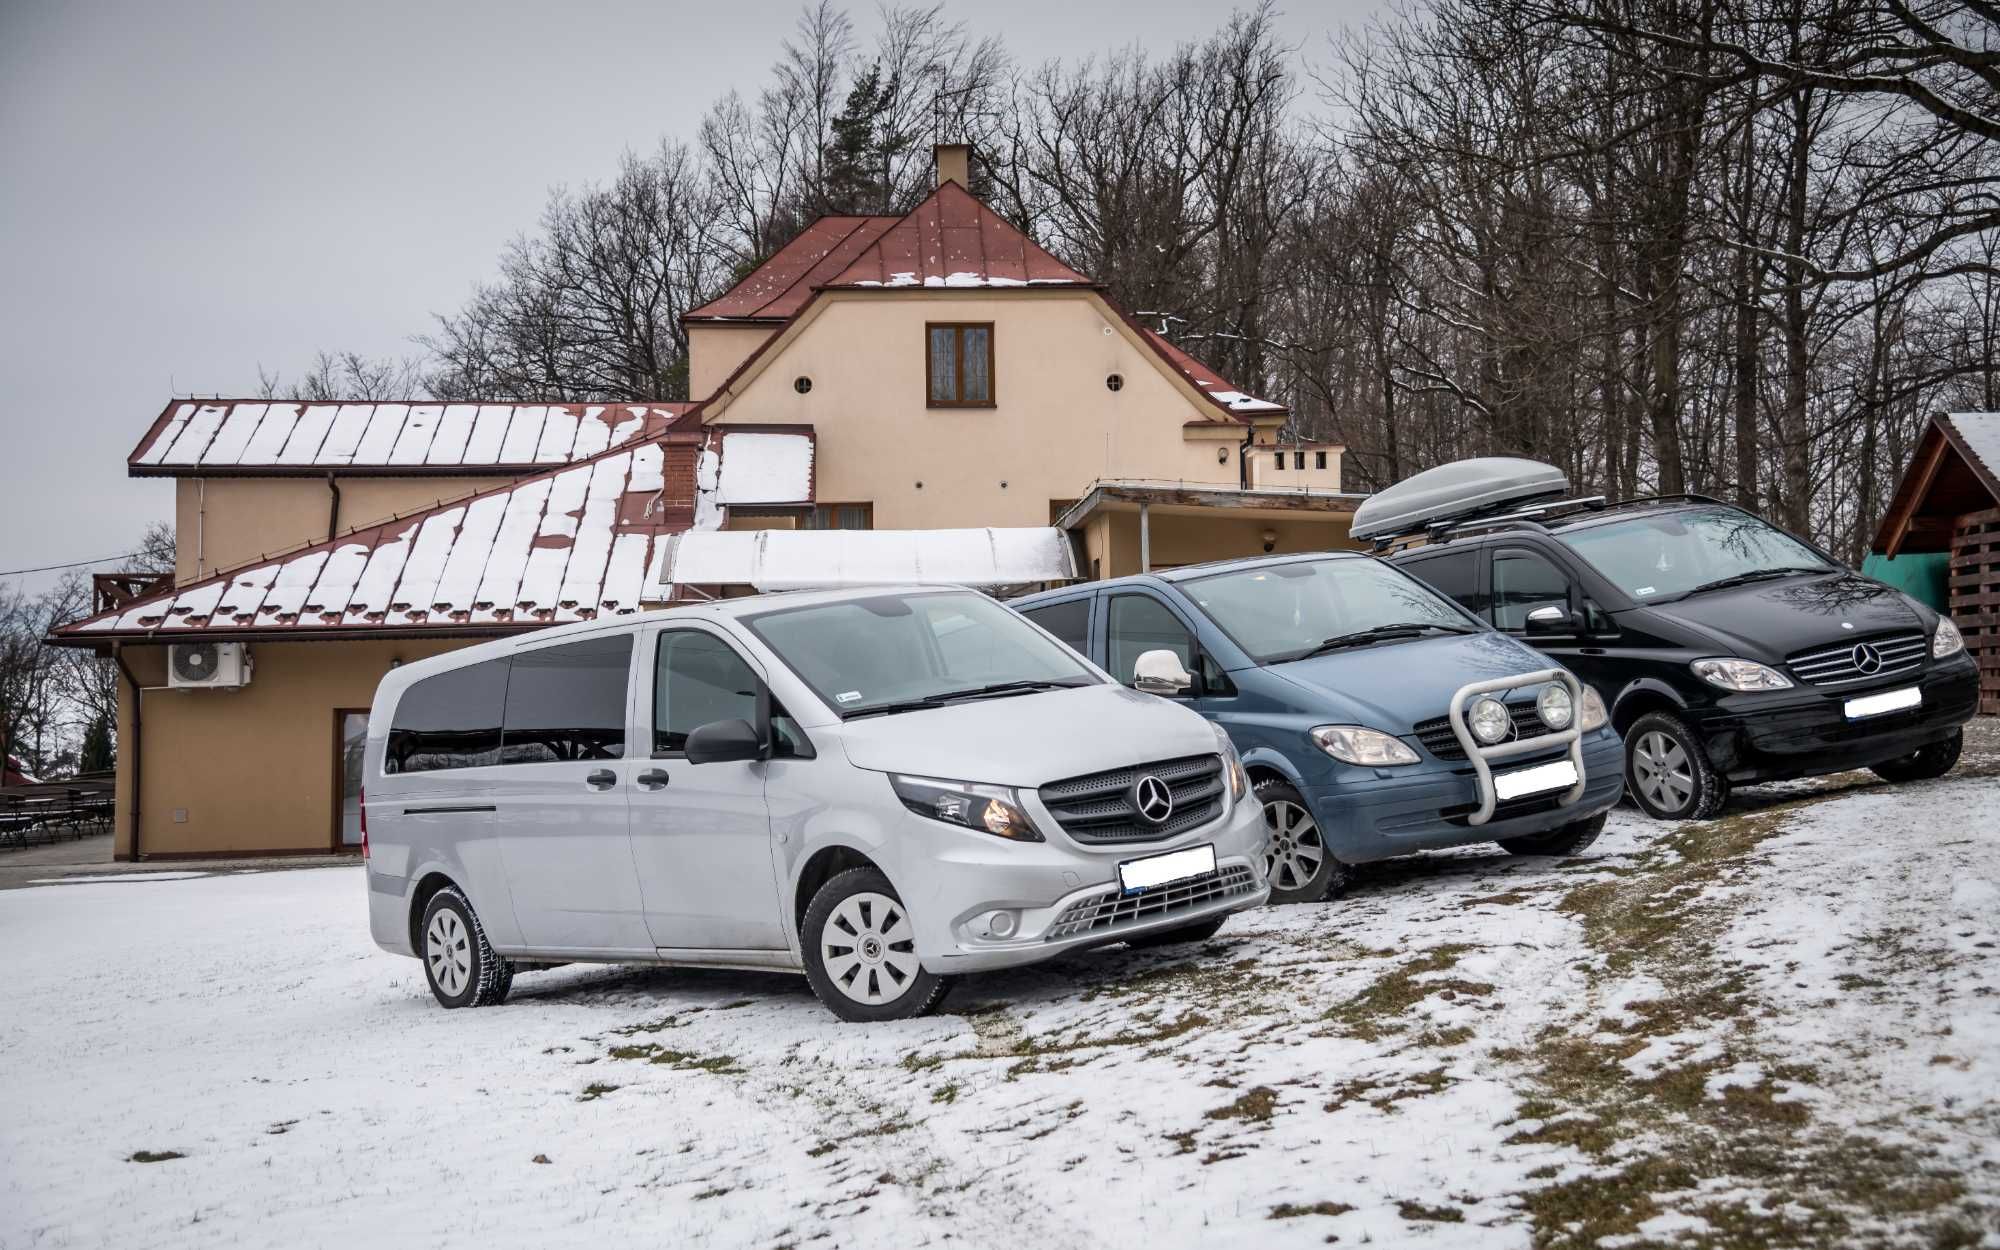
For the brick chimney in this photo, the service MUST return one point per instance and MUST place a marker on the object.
(954, 163)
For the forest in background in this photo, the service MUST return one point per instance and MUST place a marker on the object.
(1740, 247)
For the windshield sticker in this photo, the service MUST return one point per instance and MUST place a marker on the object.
(847, 696)
(1644, 590)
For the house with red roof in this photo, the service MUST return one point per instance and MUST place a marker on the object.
(916, 376)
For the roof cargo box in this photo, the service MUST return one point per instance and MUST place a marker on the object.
(1456, 491)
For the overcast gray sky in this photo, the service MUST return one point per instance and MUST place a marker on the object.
(192, 188)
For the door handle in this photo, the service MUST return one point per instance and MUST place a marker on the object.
(653, 778)
(602, 779)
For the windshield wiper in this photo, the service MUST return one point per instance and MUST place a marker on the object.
(1382, 633)
(994, 691)
(1754, 575)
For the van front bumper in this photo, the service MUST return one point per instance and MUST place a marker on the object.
(1412, 809)
(1804, 731)
(1065, 897)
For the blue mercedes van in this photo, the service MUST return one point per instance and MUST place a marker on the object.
(1375, 716)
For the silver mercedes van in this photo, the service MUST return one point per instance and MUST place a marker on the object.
(880, 789)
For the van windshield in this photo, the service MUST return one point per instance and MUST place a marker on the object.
(1279, 612)
(894, 652)
(1664, 555)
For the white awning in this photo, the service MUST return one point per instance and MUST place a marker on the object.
(802, 559)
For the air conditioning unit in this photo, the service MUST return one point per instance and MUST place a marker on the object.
(208, 666)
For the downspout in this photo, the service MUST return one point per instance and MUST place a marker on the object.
(200, 526)
(333, 512)
(138, 737)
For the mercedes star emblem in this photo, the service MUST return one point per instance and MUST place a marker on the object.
(1866, 658)
(1152, 799)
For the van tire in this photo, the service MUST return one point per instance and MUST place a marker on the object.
(1667, 772)
(1573, 838)
(459, 963)
(851, 900)
(1282, 802)
(1200, 931)
(1926, 763)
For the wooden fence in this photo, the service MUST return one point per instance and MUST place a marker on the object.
(1975, 597)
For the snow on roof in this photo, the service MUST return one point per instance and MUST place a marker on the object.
(565, 545)
(953, 240)
(799, 559)
(779, 287)
(1979, 432)
(758, 468)
(1209, 381)
(260, 436)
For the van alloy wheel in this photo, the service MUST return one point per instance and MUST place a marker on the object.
(869, 948)
(1296, 851)
(1660, 767)
(449, 952)
(1297, 861)
(1667, 770)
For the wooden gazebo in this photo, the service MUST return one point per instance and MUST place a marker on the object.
(1949, 501)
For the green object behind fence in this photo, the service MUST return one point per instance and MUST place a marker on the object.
(1921, 575)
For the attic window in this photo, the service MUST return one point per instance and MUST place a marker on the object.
(958, 364)
(1116, 382)
(802, 384)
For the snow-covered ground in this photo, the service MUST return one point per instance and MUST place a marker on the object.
(1782, 1026)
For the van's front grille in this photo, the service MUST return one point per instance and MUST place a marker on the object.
(1439, 740)
(1867, 659)
(1113, 908)
(1099, 808)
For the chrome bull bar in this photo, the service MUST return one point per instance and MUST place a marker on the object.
(1481, 754)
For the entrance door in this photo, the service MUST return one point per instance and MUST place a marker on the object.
(350, 737)
(701, 832)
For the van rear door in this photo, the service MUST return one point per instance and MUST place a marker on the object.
(562, 814)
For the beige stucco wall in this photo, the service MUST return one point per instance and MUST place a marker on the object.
(1264, 470)
(1055, 428)
(223, 522)
(714, 352)
(252, 769)
(1215, 534)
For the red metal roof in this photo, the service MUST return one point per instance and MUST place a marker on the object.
(1225, 396)
(953, 240)
(779, 287)
(573, 542)
(255, 437)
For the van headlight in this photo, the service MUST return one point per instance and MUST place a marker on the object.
(989, 809)
(1489, 720)
(1232, 763)
(1594, 714)
(1740, 675)
(1555, 707)
(1368, 748)
(1947, 640)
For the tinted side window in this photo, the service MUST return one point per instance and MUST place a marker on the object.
(1523, 581)
(1141, 623)
(698, 678)
(451, 720)
(568, 702)
(1454, 576)
(1068, 621)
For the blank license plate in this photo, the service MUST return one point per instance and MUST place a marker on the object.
(1887, 701)
(1560, 775)
(1144, 874)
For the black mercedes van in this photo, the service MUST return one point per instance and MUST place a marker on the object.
(1728, 650)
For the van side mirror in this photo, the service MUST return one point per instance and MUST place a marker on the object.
(1160, 672)
(721, 741)
(1554, 618)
